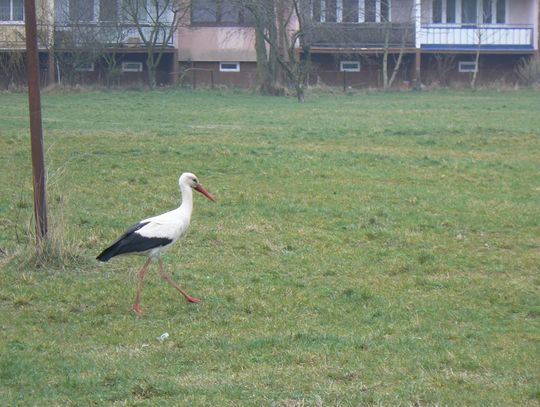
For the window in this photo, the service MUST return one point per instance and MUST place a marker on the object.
(370, 11)
(11, 10)
(437, 11)
(469, 11)
(316, 11)
(204, 11)
(108, 10)
(350, 11)
(483, 11)
(384, 14)
(85, 67)
(450, 11)
(376, 11)
(132, 67)
(487, 12)
(229, 67)
(500, 9)
(230, 13)
(444, 11)
(494, 11)
(138, 9)
(331, 11)
(349, 66)
(219, 12)
(81, 10)
(467, 66)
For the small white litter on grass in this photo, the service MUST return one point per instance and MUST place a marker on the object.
(163, 336)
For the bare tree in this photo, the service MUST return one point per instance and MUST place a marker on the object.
(444, 63)
(12, 67)
(480, 37)
(404, 35)
(79, 41)
(156, 22)
(483, 34)
(337, 25)
(528, 70)
(266, 32)
(283, 30)
(112, 35)
(480, 34)
(294, 27)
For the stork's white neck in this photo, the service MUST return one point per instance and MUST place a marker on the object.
(187, 198)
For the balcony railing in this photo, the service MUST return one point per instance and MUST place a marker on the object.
(110, 34)
(363, 35)
(484, 37)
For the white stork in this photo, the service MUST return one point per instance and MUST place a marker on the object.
(152, 236)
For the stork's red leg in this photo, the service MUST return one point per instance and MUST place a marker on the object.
(166, 277)
(141, 273)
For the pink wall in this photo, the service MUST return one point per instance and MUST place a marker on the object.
(233, 44)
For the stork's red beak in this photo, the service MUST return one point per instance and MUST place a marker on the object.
(202, 190)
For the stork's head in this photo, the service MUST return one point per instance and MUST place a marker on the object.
(189, 179)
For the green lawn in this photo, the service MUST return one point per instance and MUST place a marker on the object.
(365, 249)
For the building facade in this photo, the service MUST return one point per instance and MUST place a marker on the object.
(88, 41)
(435, 41)
(352, 42)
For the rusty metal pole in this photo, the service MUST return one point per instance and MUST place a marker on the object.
(36, 131)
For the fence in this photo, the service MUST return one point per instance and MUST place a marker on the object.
(212, 78)
(514, 37)
(363, 35)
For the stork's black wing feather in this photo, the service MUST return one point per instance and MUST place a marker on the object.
(131, 242)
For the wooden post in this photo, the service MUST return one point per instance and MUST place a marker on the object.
(417, 70)
(50, 68)
(36, 131)
(174, 68)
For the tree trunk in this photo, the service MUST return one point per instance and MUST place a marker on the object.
(479, 37)
(151, 70)
(264, 70)
(300, 95)
(475, 73)
(396, 68)
(385, 57)
(267, 63)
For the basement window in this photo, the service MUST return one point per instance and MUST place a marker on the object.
(349, 66)
(86, 67)
(132, 67)
(467, 66)
(229, 67)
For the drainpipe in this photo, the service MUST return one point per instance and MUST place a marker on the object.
(536, 30)
(418, 43)
(174, 67)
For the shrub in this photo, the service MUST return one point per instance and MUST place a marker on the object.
(528, 71)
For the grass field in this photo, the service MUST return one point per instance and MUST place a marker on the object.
(365, 249)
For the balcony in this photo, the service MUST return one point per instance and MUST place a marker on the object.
(115, 35)
(362, 35)
(440, 37)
